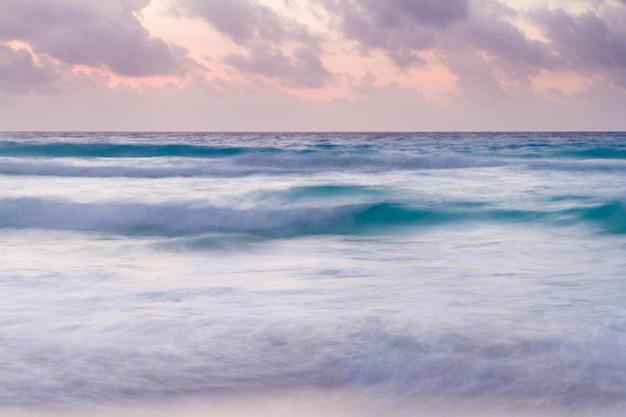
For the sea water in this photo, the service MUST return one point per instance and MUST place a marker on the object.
(313, 274)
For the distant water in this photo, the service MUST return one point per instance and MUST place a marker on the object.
(416, 272)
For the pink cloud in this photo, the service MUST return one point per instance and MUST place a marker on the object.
(103, 33)
(20, 74)
(263, 33)
(588, 42)
(347, 65)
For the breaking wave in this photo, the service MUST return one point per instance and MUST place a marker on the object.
(376, 217)
(190, 357)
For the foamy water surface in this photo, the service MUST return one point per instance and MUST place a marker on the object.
(313, 274)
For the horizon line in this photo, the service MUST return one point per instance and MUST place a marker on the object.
(310, 131)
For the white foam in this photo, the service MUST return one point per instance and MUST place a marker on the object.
(113, 320)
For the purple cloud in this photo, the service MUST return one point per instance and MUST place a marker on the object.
(303, 69)
(103, 34)
(395, 13)
(588, 42)
(400, 28)
(19, 74)
(246, 20)
(479, 43)
(584, 40)
(263, 32)
(509, 47)
(487, 52)
(475, 39)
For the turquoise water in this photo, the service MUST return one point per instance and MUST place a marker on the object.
(421, 271)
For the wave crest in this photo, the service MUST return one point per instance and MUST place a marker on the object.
(376, 217)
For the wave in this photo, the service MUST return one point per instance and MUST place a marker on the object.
(363, 218)
(609, 145)
(121, 150)
(235, 166)
(179, 357)
(241, 164)
(611, 216)
(127, 169)
(322, 194)
(598, 153)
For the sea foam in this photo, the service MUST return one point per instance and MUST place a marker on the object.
(388, 273)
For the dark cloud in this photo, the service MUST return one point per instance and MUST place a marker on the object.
(584, 40)
(302, 70)
(589, 43)
(20, 74)
(395, 13)
(263, 32)
(477, 36)
(103, 33)
(509, 47)
(473, 38)
(401, 28)
(489, 55)
(246, 20)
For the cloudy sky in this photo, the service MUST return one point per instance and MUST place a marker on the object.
(311, 65)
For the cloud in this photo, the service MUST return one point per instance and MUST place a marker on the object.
(303, 69)
(395, 13)
(400, 28)
(509, 48)
(584, 40)
(492, 51)
(588, 42)
(20, 74)
(474, 38)
(213, 105)
(489, 54)
(264, 33)
(101, 34)
(246, 20)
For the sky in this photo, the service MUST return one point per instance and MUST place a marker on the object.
(313, 65)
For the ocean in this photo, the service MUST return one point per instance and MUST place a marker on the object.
(310, 274)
